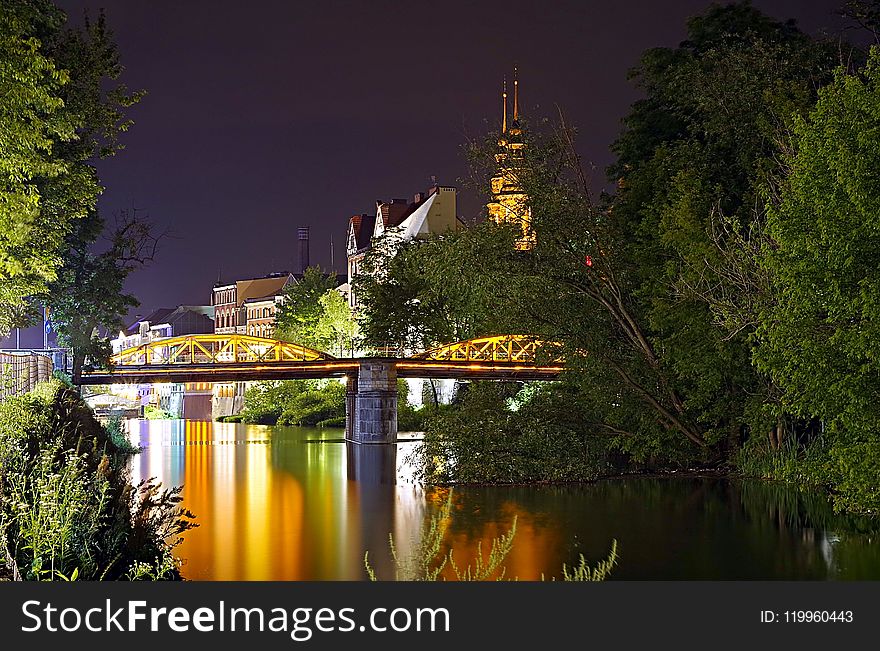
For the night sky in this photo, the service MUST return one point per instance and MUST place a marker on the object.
(265, 116)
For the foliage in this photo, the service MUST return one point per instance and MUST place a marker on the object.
(694, 156)
(650, 290)
(311, 402)
(300, 311)
(409, 419)
(63, 377)
(481, 439)
(818, 337)
(294, 402)
(264, 401)
(88, 295)
(336, 330)
(424, 292)
(32, 121)
(426, 561)
(865, 14)
(316, 403)
(583, 572)
(67, 510)
(152, 412)
(62, 109)
(119, 437)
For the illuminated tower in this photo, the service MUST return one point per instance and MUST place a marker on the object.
(509, 202)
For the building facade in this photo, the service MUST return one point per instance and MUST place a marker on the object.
(249, 306)
(164, 323)
(225, 308)
(430, 212)
(261, 314)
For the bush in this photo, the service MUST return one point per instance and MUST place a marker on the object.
(265, 401)
(294, 402)
(847, 466)
(155, 413)
(67, 510)
(337, 421)
(409, 419)
(501, 432)
(314, 405)
(119, 437)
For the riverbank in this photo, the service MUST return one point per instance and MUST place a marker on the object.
(68, 510)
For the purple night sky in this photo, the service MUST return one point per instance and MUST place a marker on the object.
(265, 116)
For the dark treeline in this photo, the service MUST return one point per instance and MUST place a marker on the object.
(718, 308)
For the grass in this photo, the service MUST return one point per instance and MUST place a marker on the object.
(427, 561)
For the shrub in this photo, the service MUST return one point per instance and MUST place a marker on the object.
(315, 404)
(67, 510)
(495, 434)
(155, 413)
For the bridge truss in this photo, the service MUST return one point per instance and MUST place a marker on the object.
(520, 349)
(216, 349)
(228, 358)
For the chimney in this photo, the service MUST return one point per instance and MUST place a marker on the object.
(303, 236)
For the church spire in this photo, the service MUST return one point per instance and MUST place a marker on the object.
(504, 100)
(510, 204)
(515, 95)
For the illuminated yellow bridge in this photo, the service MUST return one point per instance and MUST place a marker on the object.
(371, 399)
(229, 358)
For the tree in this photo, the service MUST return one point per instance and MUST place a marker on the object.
(865, 14)
(60, 111)
(88, 295)
(297, 319)
(336, 329)
(439, 289)
(820, 338)
(619, 282)
(32, 121)
(695, 158)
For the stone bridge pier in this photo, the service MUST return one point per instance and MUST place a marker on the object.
(371, 403)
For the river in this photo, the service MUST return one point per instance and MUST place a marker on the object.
(296, 503)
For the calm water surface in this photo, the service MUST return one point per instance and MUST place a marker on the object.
(292, 503)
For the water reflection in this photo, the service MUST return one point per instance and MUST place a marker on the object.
(284, 503)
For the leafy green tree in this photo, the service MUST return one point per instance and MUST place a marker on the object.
(820, 338)
(32, 121)
(295, 402)
(61, 110)
(337, 328)
(87, 298)
(504, 432)
(694, 159)
(865, 14)
(440, 289)
(300, 312)
(622, 283)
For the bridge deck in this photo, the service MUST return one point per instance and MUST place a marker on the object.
(241, 372)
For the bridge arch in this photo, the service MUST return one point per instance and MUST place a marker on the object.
(523, 349)
(216, 349)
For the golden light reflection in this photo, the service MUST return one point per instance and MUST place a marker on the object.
(272, 505)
